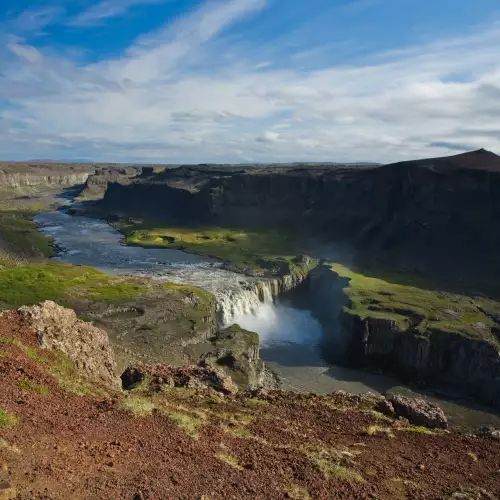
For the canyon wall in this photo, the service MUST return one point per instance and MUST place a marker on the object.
(15, 176)
(431, 357)
(432, 214)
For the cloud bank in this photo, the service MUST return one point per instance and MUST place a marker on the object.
(188, 92)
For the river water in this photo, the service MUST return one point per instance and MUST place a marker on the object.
(289, 335)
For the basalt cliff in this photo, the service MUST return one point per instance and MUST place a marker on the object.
(434, 216)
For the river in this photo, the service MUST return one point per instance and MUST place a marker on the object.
(289, 335)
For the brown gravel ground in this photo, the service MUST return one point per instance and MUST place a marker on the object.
(188, 445)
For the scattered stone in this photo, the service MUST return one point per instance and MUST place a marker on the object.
(488, 431)
(419, 412)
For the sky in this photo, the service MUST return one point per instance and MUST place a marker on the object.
(238, 81)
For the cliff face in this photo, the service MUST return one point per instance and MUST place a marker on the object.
(438, 357)
(466, 361)
(438, 210)
(40, 175)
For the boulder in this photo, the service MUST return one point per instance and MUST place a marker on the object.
(85, 345)
(418, 412)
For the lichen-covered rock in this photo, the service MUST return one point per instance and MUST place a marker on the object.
(88, 347)
(193, 377)
(419, 412)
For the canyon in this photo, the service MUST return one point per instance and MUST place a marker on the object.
(314, 278)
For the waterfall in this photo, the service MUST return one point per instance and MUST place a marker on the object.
(247, 301)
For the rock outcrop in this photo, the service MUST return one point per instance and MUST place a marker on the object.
(84, 344)
(155, 377)
(237, 351)
(418, 412)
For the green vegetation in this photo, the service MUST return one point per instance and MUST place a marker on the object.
(297, 492)
(116, 292)
(139, 405)
(7, 419)
(189, 423)
(33, 283)
(26, 385)
(257, 250)
(330, 462)
(373, 430)
(19, 238)
(229, 460)
(419, 430)
(417, 308)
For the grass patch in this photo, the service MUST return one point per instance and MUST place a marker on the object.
(138, 405)
(239, 432)
(419, 429)
(418, 309)
(263, 250)
(116, 292)
(334, 463)
(296, 492)
(31, 353)
(26, 385)
(7, 419)
(188, 423)
(373, 430)
(256, 402)
(36, 282)
(19, 237)
(229, 460)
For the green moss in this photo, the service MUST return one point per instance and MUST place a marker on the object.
(418, 309)
(116, 292)
(26, 385)
(33, 283)
(7, 419)
(270, 251)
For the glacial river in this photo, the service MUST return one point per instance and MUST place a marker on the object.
(289, 335)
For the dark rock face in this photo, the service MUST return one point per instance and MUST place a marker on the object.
(436, 211)
(473, 366)
(419, 412)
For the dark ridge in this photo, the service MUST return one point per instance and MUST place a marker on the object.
(481, 159)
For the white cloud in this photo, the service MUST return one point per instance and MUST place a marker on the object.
(106, 9)
(169, 98)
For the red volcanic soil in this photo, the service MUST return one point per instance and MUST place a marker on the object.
(181, 443)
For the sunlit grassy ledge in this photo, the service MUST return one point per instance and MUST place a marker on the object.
(271, 252)
(419, 310)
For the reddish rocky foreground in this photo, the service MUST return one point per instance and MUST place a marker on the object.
(62, 437)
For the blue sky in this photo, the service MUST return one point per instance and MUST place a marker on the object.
(248, 80)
